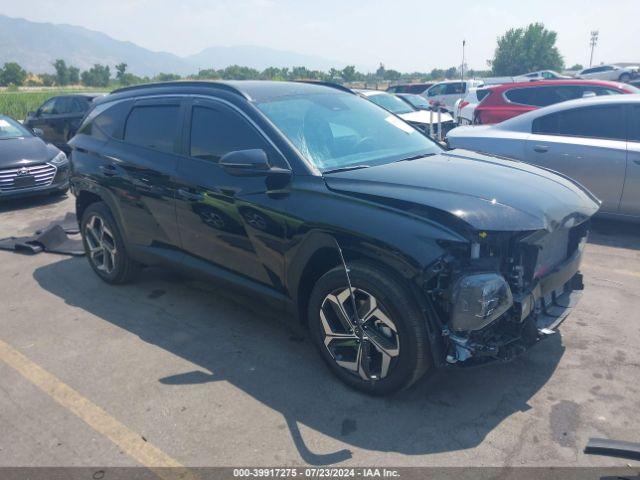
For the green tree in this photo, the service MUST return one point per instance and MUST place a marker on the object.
(451, 73)
(577, 66)
(62, 72)
(522, 50)
(74, 75)
(96, 76)
(349, 73)
(12, 74)
(47, 79)
(121, 73)
(166, 77)
(436, 74)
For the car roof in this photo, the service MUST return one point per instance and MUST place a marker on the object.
(251, 90)
(545, 83)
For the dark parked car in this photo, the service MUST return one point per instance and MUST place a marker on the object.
(400, 257)
(29, 166)
(60, 117)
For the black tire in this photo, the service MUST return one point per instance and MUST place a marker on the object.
(124, 269)
(414, 357)
(625, 78)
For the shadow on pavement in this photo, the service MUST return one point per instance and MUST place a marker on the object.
(613, 233)
(275, 364)
(23, 203)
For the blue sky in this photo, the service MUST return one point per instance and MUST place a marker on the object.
(403, 34)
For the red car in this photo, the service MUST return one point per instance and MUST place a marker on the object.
(513, 99)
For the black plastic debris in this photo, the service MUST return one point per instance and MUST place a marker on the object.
(613, 448)
(55, 238)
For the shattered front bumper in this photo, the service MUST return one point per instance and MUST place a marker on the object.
(535, 315)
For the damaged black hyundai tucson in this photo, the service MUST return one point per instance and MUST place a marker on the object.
(399, 256)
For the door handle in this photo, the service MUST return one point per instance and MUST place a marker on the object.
(108, 170)
(541, 148)
(189, 196)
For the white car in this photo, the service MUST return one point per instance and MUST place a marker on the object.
(609, 72)
(447, 93)
(420, 119)
(465, 107)
(543, 75)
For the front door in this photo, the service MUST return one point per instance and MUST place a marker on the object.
(233, 222)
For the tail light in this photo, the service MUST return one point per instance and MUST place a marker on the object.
(463, 104)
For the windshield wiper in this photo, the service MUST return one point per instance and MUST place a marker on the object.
(347, 168)
(416, 157)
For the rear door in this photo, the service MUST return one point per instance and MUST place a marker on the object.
(630, 204)
(233, 222)
(139, 166)
(588, 144)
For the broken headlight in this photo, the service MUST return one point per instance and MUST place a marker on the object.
(478, 300)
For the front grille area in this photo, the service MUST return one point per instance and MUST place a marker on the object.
(14, 179)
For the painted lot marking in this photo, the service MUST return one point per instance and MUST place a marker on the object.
(129, 441)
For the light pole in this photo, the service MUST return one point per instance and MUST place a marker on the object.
(464, 42)
(594, 42)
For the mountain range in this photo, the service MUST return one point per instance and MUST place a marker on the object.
(35, 46)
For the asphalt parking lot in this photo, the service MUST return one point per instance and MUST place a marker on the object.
(170, 369)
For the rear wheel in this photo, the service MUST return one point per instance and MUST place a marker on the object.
(395, 349)
(104, 246)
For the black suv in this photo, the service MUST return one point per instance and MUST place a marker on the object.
(59, 118)
(400, 257)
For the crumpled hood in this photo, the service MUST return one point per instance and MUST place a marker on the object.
(422, 116)
(24, 151)
(486, 192)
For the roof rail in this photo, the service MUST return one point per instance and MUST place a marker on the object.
(337, 86)
(181, 83)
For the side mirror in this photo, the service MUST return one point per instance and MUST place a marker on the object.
(31, 114)
(246, 162)
(38, 112)
(38, 132)
(254, 163)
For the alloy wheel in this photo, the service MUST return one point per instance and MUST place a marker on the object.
(341, 336)
(102, 244)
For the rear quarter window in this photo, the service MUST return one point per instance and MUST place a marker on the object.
(106, 121)
(522, 96)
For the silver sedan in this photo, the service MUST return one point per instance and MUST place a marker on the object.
(595, 141)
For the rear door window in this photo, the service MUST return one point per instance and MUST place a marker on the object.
(455, 88)
(589, 122)
(154, 126)
(522, 96)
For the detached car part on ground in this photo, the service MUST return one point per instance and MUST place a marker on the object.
(400, 257)
(28, 165)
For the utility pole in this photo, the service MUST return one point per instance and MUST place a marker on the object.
(594, 42)
(464, 42)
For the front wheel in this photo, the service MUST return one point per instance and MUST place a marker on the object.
(396, 352)
(625, 78)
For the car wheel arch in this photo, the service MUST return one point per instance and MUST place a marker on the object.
(311, 263)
